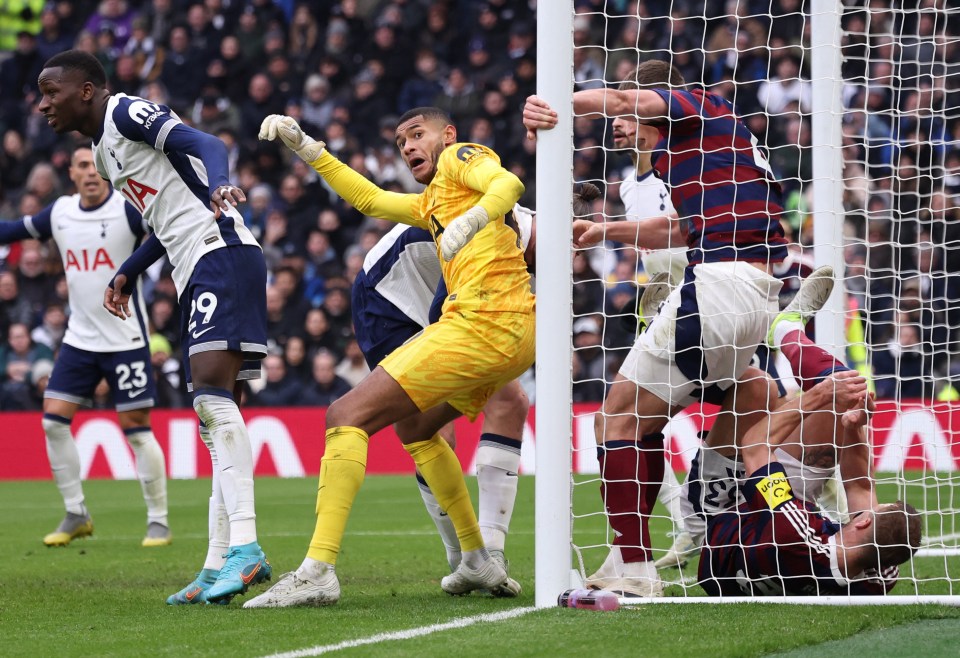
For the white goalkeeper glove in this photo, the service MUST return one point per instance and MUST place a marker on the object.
(292, 135)
(461, 230)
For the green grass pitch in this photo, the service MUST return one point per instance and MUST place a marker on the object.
(105, 596)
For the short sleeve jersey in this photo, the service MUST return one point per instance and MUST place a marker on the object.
(93, 242)
(169, 188)
(720, 182)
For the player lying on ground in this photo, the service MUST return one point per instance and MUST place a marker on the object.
(777, 543)
(94, 230)
(483, 340)
(176, 177)
(705, 333)
(711, 483)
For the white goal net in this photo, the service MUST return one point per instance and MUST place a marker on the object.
(854, 108)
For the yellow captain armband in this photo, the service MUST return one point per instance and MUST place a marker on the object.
(775, 489)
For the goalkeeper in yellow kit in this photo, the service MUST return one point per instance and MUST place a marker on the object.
(484, 339)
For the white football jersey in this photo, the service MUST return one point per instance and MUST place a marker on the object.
(647, 196)
(93, 242)
(169, 187)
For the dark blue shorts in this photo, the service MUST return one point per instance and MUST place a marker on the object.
(380, 327)
(129, 374)
(225, 307)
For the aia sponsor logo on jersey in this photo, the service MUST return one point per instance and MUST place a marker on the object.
(137, 193)
(85, 260)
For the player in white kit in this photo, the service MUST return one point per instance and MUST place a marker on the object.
(95, 230)
(176, 177)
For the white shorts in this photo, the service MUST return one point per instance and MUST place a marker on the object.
(705, 333)
(713, 486)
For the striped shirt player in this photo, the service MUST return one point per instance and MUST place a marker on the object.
(95, 230)
(706, 331)
(774, 544)
(177, 177)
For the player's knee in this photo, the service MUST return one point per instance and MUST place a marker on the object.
(55, 427)
(511, 406)
(135, 418)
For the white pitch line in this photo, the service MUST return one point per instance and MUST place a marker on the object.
(411, 633)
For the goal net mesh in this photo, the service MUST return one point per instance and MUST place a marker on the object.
(900, 214)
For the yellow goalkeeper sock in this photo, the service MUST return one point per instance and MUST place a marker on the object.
(441, 469)
(342, 469)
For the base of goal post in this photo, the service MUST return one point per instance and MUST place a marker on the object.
(892, 599)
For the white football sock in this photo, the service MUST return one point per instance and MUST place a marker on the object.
(497, 465)
(152, 472)
(448, 534)
(669, 497)
(783, 328)
(229, 433)
(64, 463)
(218, 524)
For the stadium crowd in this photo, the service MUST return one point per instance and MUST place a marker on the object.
(346, 69)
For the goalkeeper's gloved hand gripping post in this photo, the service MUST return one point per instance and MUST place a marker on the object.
(292, 135)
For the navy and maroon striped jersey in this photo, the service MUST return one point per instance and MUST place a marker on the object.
(720, 182)
(774, 544)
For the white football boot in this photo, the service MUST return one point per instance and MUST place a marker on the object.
(626, 578)
(315, 585)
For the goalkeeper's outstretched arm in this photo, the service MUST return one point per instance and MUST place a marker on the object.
(363, 195)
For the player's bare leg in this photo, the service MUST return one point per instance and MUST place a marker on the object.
(151, 471)
(65, 466)
(214, 376)
(630, 451)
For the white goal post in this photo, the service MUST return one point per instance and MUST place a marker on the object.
(915, 440)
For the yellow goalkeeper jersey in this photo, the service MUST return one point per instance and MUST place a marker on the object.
(489, 273)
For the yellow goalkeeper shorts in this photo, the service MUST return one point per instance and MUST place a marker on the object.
(463, 359)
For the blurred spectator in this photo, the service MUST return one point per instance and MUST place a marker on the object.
(27, 395)
(280, 389)
(327, 386)
(53, 37)
(171, 389)
(14, 309)
(459, 97)
(317, 104)
(18, 79)
(353, 367)
(52, 328)
(900, 368)
(588, 366)
(420, 89)
(115, 17)
(19, 354)
(295, 359)
(36, 286)
(183, 69)
(316, 333)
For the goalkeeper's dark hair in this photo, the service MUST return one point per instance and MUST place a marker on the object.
(428, 113)
(653, 74)
(77, 60)
(583, 194)
(896, 530)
